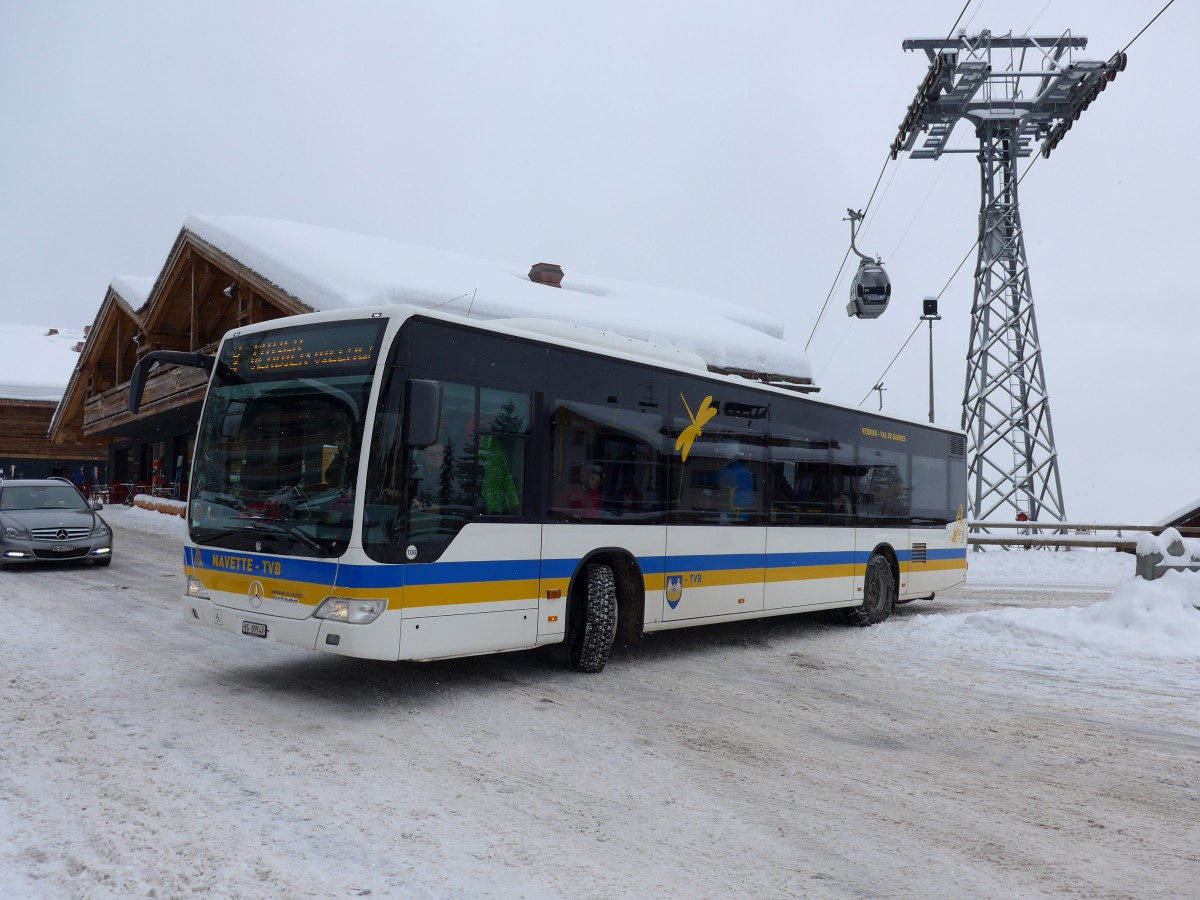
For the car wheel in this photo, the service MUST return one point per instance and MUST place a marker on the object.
(102, 562)
(879, 594)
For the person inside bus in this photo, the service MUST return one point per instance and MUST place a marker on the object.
(736, 484)
(586, 499)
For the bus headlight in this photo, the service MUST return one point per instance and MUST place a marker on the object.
(195, 588)
(353, 611)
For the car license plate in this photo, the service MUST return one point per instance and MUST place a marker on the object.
(254, 629)
(61, 548)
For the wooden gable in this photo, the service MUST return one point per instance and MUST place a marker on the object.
(105, 361)
(203, 293)
(200, 294)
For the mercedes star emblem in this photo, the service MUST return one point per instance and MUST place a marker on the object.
(256, 594)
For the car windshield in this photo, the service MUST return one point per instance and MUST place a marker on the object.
(41, 496)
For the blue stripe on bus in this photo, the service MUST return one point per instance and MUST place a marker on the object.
(816, 558)
(946, 554)
(709, 562)
(421, 574)
(561, 568)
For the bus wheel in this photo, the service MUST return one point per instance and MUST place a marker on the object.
(879, 594)
(593, 622)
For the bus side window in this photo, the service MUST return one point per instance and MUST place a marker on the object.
(607, 449)
(503, 449)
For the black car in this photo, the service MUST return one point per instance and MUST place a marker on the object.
(49, 520)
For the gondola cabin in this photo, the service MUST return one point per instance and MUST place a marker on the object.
(869, 291)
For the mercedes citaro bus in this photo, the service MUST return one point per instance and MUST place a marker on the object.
(402, 484)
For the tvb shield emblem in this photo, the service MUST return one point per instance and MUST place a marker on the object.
(674, 590)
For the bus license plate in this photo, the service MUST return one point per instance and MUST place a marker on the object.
(254, 629)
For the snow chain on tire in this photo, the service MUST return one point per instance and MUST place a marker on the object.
(600, 620)
(879, 594)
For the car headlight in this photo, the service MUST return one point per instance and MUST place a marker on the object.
(350, 610)
(100, 529)
(12, 531)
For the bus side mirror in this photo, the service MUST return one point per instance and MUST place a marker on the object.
(141, 370)
(424, 413)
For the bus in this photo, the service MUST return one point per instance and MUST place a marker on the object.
(399, 483)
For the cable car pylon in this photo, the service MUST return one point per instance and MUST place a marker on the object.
(1013, 91)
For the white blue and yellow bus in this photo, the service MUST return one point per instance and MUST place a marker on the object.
(399, 484)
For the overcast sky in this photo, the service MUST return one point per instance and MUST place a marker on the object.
(713, 147)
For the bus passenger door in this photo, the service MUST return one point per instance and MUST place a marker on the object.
(713, 570)
(717, 535)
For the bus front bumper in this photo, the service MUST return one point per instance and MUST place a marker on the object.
(378, 640)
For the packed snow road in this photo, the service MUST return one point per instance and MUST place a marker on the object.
(783, 758)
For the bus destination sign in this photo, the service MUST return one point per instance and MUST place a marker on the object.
(305, 350)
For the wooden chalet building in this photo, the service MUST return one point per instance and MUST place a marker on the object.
(35, 364)
(201, 293)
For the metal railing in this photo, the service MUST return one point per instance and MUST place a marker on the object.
(1064, 535)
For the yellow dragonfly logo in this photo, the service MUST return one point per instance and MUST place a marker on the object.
(959, 535)
(688, 436)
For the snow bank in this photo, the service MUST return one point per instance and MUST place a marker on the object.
(1187, 549)
(1042, 567)
(1159, 619)
(148, 520)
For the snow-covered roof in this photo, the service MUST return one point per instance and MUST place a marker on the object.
(35, 364)
(133, 289)
(328, 269)
(1186, 512)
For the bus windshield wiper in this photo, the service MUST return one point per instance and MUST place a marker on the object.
(291, 531)
(272, 525)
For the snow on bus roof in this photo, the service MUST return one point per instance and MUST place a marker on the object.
(36, 362)
(328, 269)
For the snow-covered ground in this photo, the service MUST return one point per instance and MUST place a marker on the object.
(1034, 733)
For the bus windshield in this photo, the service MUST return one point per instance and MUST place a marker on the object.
(277, 449)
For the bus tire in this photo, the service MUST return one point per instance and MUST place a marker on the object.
(593, 624)
(879, 594)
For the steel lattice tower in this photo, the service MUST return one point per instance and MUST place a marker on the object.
(1014, 91)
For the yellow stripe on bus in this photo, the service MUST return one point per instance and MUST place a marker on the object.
(809, 573)
(933, 565)
(471, 592)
